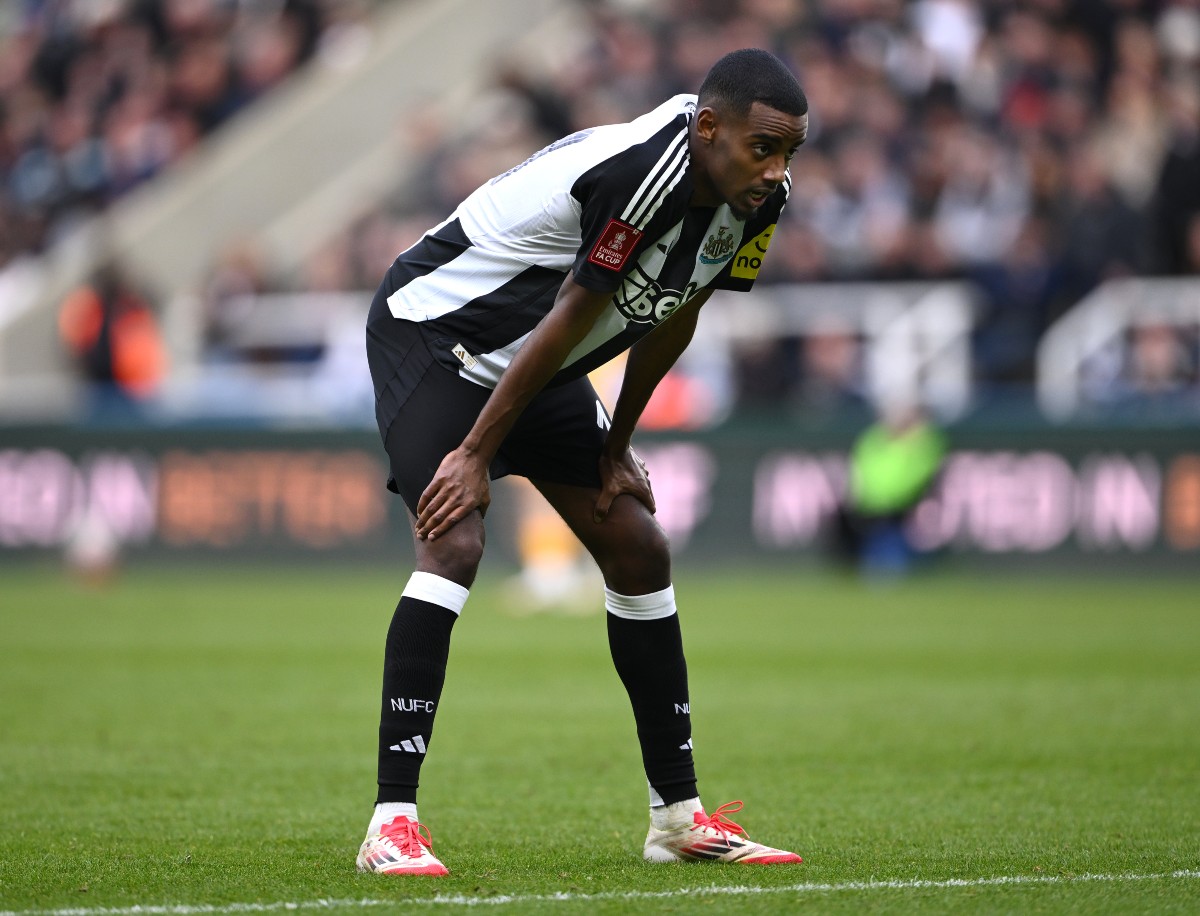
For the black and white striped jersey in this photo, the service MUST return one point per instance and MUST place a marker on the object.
(609, 204)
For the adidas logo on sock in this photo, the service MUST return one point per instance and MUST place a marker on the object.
(415, 745)
(686, 747)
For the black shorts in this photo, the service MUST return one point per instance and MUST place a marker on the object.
(425, 411)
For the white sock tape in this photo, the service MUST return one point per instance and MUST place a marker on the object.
(654, 606)
(385, 811)
(436, 590)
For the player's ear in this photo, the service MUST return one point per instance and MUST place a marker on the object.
(706, 124)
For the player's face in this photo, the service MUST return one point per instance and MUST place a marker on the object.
(742, 160)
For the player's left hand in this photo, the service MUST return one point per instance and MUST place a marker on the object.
(626, 473)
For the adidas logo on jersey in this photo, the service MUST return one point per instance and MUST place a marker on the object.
(464, 357)
(415, 745)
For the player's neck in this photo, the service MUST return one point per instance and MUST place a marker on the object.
(704, 193)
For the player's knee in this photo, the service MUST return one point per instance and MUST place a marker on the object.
(639, 561)
(456, 554)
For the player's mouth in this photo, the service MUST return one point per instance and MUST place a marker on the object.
(758, 197)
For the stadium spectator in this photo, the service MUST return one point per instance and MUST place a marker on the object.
(959, 123)
(1191, 251)
(96, 98)
(1103, 236)
(1161, 361)
(1150, 372)
(110, 331)
(892, 465)
(949, 140)
(1018, 291)
(832, 377)
(863, 207)
(1177, 199)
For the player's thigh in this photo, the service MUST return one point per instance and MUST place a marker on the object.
(431, 423)
(629, 546)
(558, 437)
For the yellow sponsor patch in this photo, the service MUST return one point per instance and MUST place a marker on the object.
(749, 257)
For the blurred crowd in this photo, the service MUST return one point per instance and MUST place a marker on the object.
(1035, 148)
(97, 96)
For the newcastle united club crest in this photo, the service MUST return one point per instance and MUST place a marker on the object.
(719, 247)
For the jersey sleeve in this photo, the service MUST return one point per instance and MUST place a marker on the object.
(618, 198)
(740, 272)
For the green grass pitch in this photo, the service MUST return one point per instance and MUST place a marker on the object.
(202, 741)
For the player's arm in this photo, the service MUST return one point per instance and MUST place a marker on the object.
(649, 361)
(461, 482)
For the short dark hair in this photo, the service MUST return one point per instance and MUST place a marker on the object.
(741, 78)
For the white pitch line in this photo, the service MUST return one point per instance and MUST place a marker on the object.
(565, 897)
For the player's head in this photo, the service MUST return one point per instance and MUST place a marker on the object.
(741, 78)
(751, 116)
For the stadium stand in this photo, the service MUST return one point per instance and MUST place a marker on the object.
(1030, 150)
(1033, 150)
(99, 100)
(100, 97)
(290, 170)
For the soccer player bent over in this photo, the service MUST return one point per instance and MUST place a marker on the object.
(479, 341)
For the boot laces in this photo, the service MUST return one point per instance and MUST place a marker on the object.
(407, 836)
(719, 821)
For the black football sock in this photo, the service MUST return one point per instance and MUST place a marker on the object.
(647, 649)
(414, 670)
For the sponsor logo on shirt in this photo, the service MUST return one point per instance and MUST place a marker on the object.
(642, 300)
(617, 242)
(749, 256)
(719, 247)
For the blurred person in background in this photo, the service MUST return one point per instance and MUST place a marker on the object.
(1103, 237)
(1019, 290)
(1160, 371)
(238, 275)
(832, 375)
(110, 331)
(892, 465)
(1191, 251)
(1150, 371)
(479, 341)
(1177, 196)
(556, 572)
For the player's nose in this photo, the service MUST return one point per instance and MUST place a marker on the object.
(775, 171)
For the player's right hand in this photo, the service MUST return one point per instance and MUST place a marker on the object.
(459, 487)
